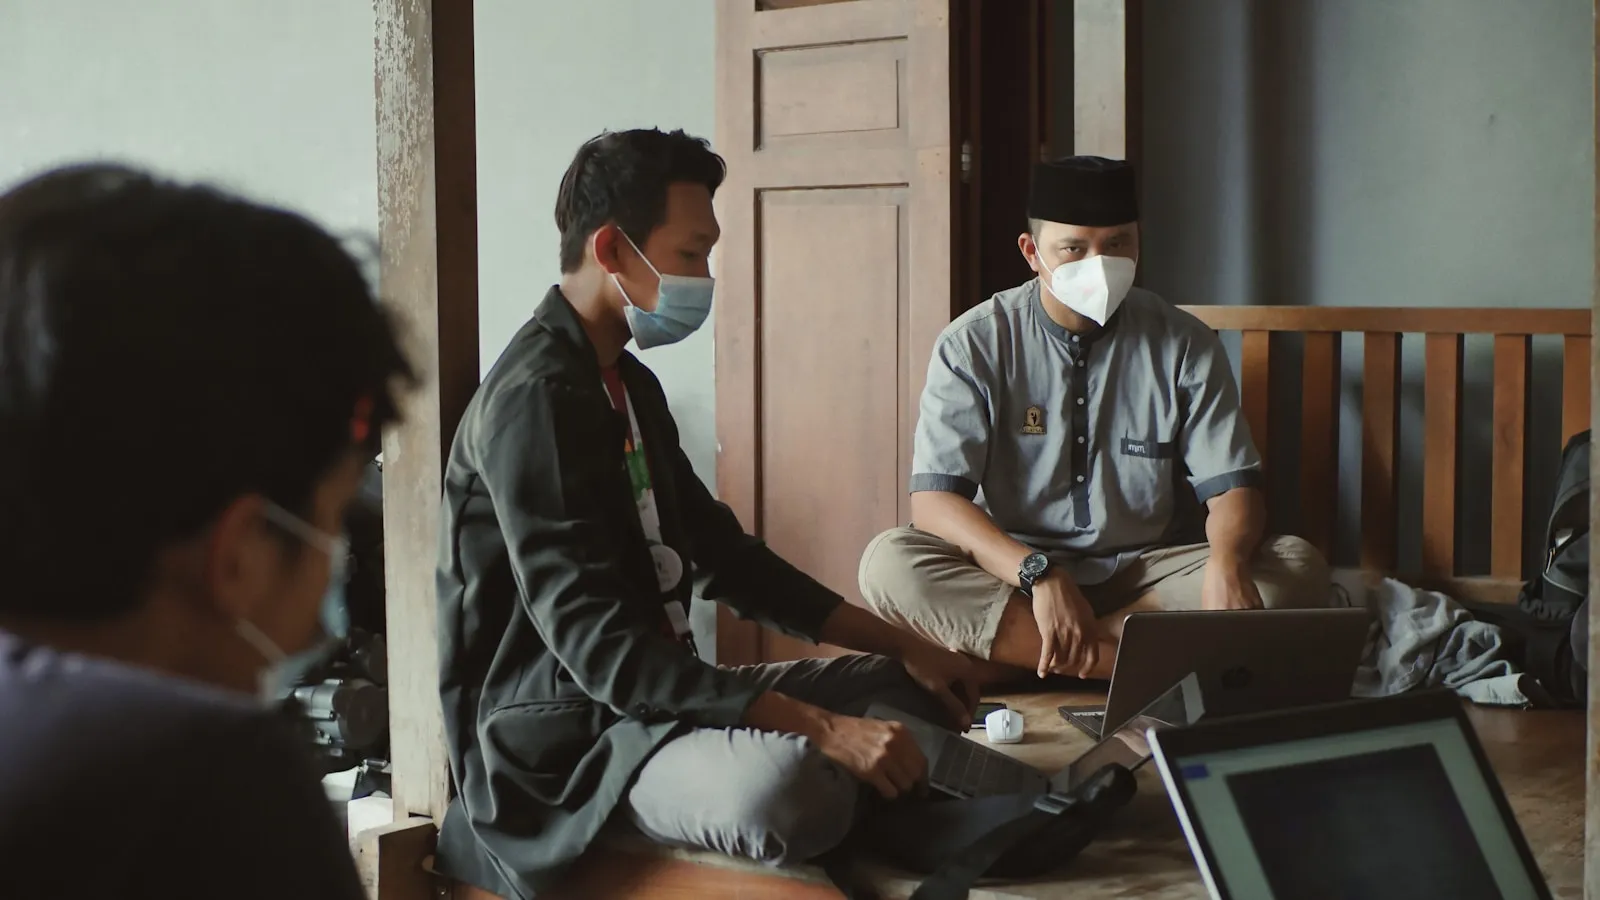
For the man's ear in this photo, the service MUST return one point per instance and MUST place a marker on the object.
(607, 243)
(1030, 250)
(237, 557)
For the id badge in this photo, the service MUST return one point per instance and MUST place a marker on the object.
(669, 568)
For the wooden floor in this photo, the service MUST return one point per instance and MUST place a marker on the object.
(1538, 756)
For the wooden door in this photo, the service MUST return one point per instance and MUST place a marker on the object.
(834, 270)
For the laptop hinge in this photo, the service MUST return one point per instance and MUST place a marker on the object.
(1053, 803)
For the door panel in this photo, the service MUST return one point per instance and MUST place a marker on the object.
(818, 95)
(831, 429)
(835, 273)
(790, 4)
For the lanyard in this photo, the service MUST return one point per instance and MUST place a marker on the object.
(644, 494)
(668, 564)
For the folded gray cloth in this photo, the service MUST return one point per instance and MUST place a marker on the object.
(1423, 639)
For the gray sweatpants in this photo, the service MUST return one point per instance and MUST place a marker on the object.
(770, 797)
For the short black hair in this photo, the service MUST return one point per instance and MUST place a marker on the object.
(165, 349)
(622, 177)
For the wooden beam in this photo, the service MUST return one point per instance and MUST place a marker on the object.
(1509, 319)
(391, 859)
(1513, 377)
(739, 641)
(1108, 79)
(1380, 449)
(1591, 818)
(1255, 382)
(1319, 440)
(1574, 386)
(428, 233)
(1441, 452)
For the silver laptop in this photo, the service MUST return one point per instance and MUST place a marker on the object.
(960, 767)
(1380, 799)
(1247, 661)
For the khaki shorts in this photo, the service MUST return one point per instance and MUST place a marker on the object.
(931, 587)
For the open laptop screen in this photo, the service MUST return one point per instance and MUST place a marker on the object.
(1401, 811)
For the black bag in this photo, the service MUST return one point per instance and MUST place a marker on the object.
(1548, 630)
(1557, 600)
(1564, 584)
(956, 842)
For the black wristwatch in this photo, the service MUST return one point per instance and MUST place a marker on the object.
(1034, 566)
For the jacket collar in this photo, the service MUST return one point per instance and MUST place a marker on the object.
(556, 314)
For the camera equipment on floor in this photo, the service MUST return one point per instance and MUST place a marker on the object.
(345, 701)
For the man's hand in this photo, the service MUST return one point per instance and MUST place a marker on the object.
(880, 753)
(947, 675)
(1228, 585)
(1067, 629)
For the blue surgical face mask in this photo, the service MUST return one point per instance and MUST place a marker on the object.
(286, 670)
(682, 305)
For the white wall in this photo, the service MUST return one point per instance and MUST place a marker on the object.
(274, 98)
(1378, 153)
(269, 97)
(550, 76)
(1375, 152)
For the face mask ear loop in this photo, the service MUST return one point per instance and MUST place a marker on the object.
(258, 641)
(640, 253)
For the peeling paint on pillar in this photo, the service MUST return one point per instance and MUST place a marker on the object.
(423, 61)
(403, 45)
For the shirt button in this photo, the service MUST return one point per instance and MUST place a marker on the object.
(1080, 401)
(1080, 438)
(1080, 479)
(1080, 363)
(641, 710)
(1074, 339)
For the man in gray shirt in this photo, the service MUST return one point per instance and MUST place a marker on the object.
(1070, 429)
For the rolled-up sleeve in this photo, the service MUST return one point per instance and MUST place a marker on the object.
(1215, 439)
(535, 452)
(952, 439)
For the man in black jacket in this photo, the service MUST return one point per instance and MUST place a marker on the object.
(574, 533)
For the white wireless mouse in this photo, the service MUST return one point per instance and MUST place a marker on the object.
(1004, 726)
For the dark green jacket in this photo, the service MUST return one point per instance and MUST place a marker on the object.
(556, 679)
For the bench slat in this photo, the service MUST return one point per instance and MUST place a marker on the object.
(1441, 452)
(1380, 440)
(1574, 386)
(1508, 460)
(1255, 383)
(1319, 440)
(1403, 320)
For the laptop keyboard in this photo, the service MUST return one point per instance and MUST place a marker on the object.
(1090, 721)
(968, 770)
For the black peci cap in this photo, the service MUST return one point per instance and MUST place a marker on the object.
(1084, 190)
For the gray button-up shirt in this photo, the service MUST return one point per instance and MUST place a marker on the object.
(1076, 445)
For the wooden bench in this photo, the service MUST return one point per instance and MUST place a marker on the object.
(1382, 332)
(1538, 756)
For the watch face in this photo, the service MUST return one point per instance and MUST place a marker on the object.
(1035, 565)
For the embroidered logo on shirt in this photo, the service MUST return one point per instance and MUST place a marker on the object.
(1033, 421)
